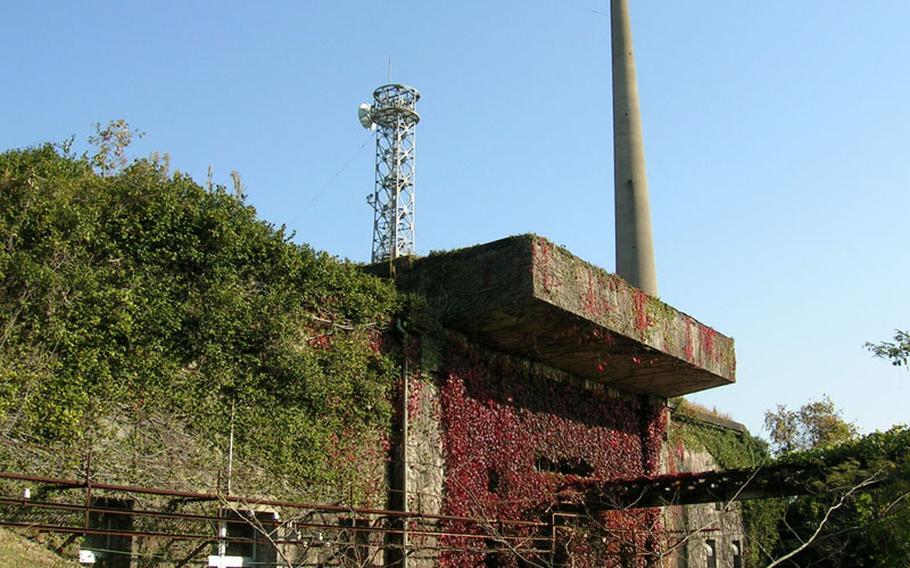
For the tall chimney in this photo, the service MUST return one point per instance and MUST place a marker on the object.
(634, 243)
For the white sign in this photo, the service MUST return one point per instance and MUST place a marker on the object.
(216, 561)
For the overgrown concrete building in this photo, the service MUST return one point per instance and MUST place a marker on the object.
(543, 372)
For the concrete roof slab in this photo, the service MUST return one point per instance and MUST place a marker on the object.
(526, 296)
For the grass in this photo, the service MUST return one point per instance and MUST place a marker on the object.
(712, 411)
(18, 552)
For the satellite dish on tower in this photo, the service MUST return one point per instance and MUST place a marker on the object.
(365, 116)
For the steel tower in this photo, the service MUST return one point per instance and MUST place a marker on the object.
(394, 116)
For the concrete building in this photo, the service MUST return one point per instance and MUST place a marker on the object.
(543, 372)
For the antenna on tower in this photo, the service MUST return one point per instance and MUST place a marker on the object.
(394, 116)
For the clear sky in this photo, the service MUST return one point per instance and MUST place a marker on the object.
(777, 137)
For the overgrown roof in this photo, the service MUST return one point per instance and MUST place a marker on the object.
(526, 296)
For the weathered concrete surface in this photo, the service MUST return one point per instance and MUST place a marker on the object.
(719, 523)
(425, 465)
(528, 297)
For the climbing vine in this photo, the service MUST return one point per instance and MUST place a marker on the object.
(731, 449)
(515, 436)
(139, 294)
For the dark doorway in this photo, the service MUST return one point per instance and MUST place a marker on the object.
(111, 550)
(252, 531)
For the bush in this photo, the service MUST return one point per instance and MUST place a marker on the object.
(143, 290)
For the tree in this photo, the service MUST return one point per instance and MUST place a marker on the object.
(897, 351)
(817, 424)
(111, 143)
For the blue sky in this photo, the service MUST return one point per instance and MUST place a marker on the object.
(777, 138)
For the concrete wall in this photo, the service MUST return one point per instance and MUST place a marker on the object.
(426, 466)
(697, 524)
(498, 382)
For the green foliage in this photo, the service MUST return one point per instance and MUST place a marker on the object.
(732, 449)
(897, 351)
(111, 143)
(128, 284)
(817, 424)
(872, 527)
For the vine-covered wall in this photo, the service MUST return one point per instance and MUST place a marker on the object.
(516, 433)
(692, 432)
(147, 317)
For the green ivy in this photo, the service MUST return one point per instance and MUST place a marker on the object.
(871, 527)
(734, 449)
(144, 289)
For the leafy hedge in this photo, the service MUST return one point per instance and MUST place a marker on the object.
(143, 289)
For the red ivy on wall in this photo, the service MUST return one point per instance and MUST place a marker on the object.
(501, 422)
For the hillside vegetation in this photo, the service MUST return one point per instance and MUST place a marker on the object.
(18, 552)
(142, 314)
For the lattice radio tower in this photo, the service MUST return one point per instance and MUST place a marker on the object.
(394, 116)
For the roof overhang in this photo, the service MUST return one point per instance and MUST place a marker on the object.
(528, 297)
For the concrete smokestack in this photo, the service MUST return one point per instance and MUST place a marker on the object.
(634, 242)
